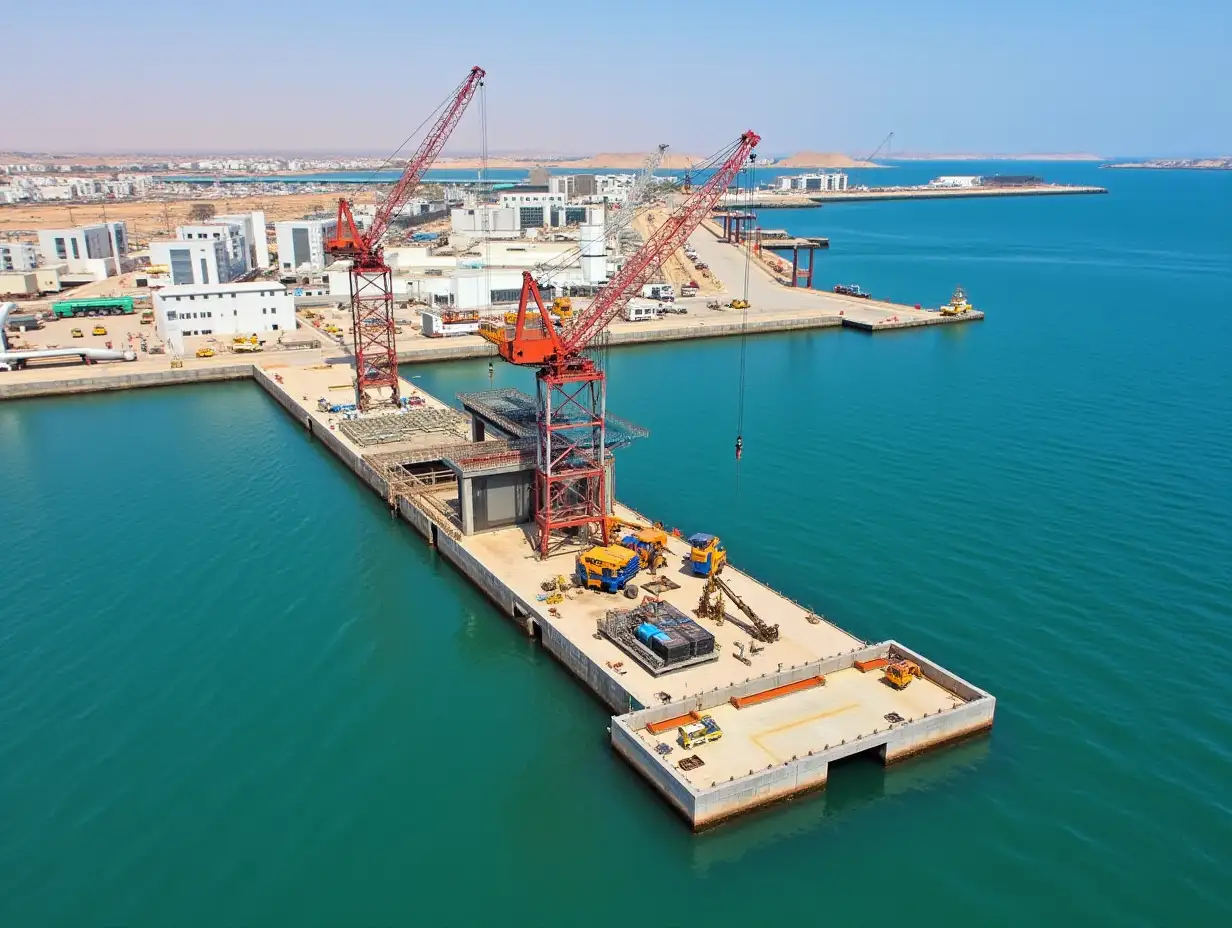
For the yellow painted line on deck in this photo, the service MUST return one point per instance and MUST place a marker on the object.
(756, 739)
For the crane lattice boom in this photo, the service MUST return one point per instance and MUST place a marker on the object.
(372, 297)
(646, 260)
(349, 240)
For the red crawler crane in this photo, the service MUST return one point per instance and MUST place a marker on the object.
(571, 482)
(372, 299)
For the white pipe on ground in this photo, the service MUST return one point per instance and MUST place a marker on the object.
(9, 358)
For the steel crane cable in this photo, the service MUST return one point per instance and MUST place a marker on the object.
(551, 269)
(744, 322)
(453, 95)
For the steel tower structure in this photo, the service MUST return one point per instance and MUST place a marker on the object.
(571, 484)
(372, 299)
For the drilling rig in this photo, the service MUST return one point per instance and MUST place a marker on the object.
(571, 483)
(372, 298)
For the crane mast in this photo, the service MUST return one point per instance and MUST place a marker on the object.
(572, 493)
(372, 300)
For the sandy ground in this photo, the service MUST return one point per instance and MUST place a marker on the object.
(157, 218)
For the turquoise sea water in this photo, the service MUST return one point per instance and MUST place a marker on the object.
(235, 693)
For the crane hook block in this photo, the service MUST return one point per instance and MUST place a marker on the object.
(739, 447)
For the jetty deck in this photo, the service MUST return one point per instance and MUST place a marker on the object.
(768, 752)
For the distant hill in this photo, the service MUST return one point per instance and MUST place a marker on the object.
(630, 161)
(822, 159)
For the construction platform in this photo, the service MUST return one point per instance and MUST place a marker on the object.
(789, 728)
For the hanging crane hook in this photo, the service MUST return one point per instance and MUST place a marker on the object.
(739, 446)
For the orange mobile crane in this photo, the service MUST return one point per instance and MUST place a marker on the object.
(372, 298)
(570, 494)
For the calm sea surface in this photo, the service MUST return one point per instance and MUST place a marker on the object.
(233, 692)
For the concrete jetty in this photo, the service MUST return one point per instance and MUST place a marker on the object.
(439, 472)
(770, 199)
(768, 752)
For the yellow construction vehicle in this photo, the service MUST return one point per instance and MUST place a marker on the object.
(562, 306)
(205, 352)
(707, 555)
(901, 673)
(246, 340)
(705, 729)
(739, 304)
(100, 330)
(77, 333)
(609, 569)
(246, 347)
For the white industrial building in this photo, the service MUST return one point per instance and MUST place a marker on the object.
(955, 180)
(222, 309)
(96, 251)
(253, 224)
(18, 256)
(485, 220)
(534, 204)
(830, 180)
(301, 243)
(201, 262)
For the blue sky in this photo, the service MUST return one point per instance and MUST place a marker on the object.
(1114, 78)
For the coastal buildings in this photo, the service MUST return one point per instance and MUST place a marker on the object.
(222, 309)
(18, 256)
(829, 180)
(301, 244)
(94, 252)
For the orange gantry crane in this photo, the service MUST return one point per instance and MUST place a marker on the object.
(372, 298)
(570, 471)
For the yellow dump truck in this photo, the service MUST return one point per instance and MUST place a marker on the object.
(704, 730)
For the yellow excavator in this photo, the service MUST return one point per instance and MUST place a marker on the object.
(901, 673)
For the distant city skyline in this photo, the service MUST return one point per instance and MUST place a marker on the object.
(574, 78)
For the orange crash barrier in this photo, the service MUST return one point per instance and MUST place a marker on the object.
(741, 702)
(875, 664)
(657, 728)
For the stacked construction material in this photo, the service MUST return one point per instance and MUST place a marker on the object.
(659, 635)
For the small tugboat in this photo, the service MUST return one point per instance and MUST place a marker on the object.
(958, 304)
(852, 290)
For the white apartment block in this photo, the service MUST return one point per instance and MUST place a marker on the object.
(301, 243)
(222, 309)
(830, 180)
(18, 256)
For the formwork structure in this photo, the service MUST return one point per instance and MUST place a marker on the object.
(517, 414)
(402, 426)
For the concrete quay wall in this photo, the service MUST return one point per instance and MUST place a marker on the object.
(704, 807)
(913, 322)
(63, 386)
